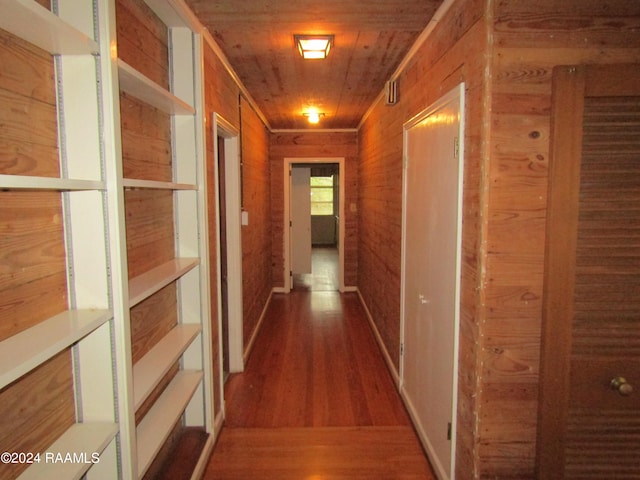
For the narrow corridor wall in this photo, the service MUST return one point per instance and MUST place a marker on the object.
(505, 53)
(256, 201)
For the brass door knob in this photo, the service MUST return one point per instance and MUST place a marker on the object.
(621, 385)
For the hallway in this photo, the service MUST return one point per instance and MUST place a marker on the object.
(316, 400)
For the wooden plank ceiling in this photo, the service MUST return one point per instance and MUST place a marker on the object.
(371, 39)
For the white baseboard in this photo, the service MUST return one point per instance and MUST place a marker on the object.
(383, 348)
(254, 335)
(203, 461)
(218, 423)
(207, 451)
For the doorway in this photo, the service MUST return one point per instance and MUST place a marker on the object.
(229, 295)
(312, 242)
(224, 290)
(430, 285)
(314, 228)
(590, 360)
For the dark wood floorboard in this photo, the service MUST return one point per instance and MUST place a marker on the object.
(184, 456)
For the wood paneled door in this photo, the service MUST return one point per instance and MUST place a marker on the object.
(589, 412)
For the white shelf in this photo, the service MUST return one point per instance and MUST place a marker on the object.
(39, 26)
(136, 84)
(26, 350)
(150, 369)
(20, 182)
(145, 285)
(134, 183)
(83, 440)
(155, 427)
(95, 243)
(175, 13)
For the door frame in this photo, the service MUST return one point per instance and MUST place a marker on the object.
(456, 93)
(231, 135)
(288, 164)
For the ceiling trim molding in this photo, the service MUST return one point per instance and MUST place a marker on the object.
(422, 38)
(225, 62)
(314, 130)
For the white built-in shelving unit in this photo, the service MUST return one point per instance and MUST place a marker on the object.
(87, 324)
(109, 387)
(189, 394)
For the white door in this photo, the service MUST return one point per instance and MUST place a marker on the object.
(300, 220)
(431, 272)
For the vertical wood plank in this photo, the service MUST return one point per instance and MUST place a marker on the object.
(561, 238)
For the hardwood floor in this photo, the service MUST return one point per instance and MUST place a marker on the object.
(332, 453)
(182, 457)
(316, 400)
(315, 364)
(324, 272)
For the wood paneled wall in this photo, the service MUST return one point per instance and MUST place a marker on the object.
(39, 406)
(223, 96)
(220, 96)
(27, 91)
(314, 145)
(256, 236)
(454, 53)
(529, 40)
(143, 40)
(221, 93)
(36, 409)
(504, 52)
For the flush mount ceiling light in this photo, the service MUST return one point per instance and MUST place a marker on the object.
(313, 46)
(313, 117)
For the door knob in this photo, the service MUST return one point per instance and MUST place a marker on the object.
(621, 385)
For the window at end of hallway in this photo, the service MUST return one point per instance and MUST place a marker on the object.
(322, 195)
